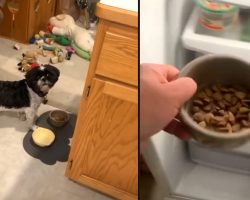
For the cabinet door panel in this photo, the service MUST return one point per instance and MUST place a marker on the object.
(118, 58)
(107, 150)
(18, 29)
(35, 16)
(47, 11)
(40, 12)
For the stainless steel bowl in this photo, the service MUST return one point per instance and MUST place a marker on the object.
(58, 118)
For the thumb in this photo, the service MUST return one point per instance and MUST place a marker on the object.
(182, 90)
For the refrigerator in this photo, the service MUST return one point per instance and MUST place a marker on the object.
(170, 33)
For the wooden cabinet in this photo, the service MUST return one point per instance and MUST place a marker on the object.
(31, 17)
(118, 59)
(104, 152)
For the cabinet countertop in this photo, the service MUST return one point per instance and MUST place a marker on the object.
(117, 15)
(131, 5)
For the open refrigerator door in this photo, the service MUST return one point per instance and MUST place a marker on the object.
(189, 170)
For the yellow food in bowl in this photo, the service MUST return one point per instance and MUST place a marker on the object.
(43, 137)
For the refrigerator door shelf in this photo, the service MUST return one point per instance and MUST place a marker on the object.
(199, 39)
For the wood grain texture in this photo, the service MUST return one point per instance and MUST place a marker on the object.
(28, 20)
(122, 92)
(19, 30)
(117, 15)
(110, 145)
(101, 29)
(104, 148)
(116, 193)
(35, 17)
(100, 35)
(119, 54)
(40, 11)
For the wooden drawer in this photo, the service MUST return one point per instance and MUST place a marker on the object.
(118, 58)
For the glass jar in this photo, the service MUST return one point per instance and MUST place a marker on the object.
(217, 16)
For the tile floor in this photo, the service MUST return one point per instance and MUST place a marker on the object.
(22, 176)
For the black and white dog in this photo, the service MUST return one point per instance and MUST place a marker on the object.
(25, 96)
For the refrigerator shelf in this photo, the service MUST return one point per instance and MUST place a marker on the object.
(181, 177)
(237, 2)
(200, 39)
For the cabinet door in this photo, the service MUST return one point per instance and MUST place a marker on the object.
(104, 152)
(40, 12)
(118, 58)
(18, 28)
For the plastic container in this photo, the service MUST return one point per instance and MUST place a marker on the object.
(217, 16)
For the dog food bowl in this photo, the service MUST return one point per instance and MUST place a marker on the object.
(209, 70)
(43, 137)
(58, 118)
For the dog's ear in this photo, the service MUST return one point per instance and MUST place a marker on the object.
(52, 69)
(31, 74)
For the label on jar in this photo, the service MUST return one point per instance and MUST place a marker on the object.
(211, 24)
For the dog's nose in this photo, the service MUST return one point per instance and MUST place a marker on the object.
(43, 79)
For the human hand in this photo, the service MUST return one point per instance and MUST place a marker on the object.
(161, 96)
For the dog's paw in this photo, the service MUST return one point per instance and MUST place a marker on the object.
(22, 116)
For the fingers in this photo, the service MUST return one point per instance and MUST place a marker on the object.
(165, 73)
(173, 73)
(169, 72)
(182, 89)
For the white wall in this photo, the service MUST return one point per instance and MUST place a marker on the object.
(153, 47)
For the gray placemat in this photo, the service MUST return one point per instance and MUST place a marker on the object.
(59, 150)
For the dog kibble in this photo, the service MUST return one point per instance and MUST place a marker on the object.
(240, 95)
(224, 109)
(203, 124)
